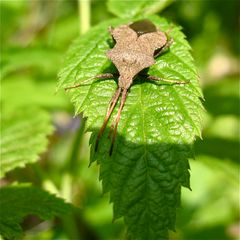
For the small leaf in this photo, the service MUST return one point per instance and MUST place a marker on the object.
(24, 58)
(23, 137)
(136, 8)
(18, 201)
(158, 125)
(23, 92)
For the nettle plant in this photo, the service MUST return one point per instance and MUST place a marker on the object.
(143, 156)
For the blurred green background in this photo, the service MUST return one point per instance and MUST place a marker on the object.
(35, 35)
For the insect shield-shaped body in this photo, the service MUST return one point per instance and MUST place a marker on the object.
(134, 50)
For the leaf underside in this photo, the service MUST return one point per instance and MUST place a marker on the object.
(158, 124)
(19, 201)
(23, 137)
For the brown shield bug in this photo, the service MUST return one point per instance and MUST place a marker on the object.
(136, 46)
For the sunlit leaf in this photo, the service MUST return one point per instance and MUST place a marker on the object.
(22, 92)
(158, 125)
(23, 137)
(135, 8)
(15, 59)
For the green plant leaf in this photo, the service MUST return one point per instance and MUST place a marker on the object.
(158, 125)
(136, 8)
(23, 91)
(18, 201)
(23, 137)
(15, 59)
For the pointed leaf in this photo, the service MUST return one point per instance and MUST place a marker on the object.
(158, 125)
(23, 137)
(18, 201)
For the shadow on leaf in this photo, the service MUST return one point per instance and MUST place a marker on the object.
(144, 181)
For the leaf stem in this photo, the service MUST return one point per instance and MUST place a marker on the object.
(73, 157)
(69, 222)
(84, 10)
(70, 226)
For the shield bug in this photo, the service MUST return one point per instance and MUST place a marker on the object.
(136, 46)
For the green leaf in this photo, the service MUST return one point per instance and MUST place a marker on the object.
(23, 137)
(136, 8)
(23, 91)
(225, 92)
(14, 59)
(158, 125)
(18, 201)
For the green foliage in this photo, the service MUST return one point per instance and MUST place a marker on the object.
(18, 201)
(205, 213)
(33, 40)
(23, 137)
(136, 8)
(158, 125)
(23, 91)
(16, 59)
(227, 93)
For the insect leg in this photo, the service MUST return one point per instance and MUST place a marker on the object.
(174, 81)
(164, 48)
(124, 96)
(99, 76)
(108, 114)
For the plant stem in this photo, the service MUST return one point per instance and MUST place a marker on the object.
(73, 158)
(69, 222)
(84, 8)
(70, 226)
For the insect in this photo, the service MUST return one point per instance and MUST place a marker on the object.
(136, 46)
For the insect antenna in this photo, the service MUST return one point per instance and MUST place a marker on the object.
(111, 106)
